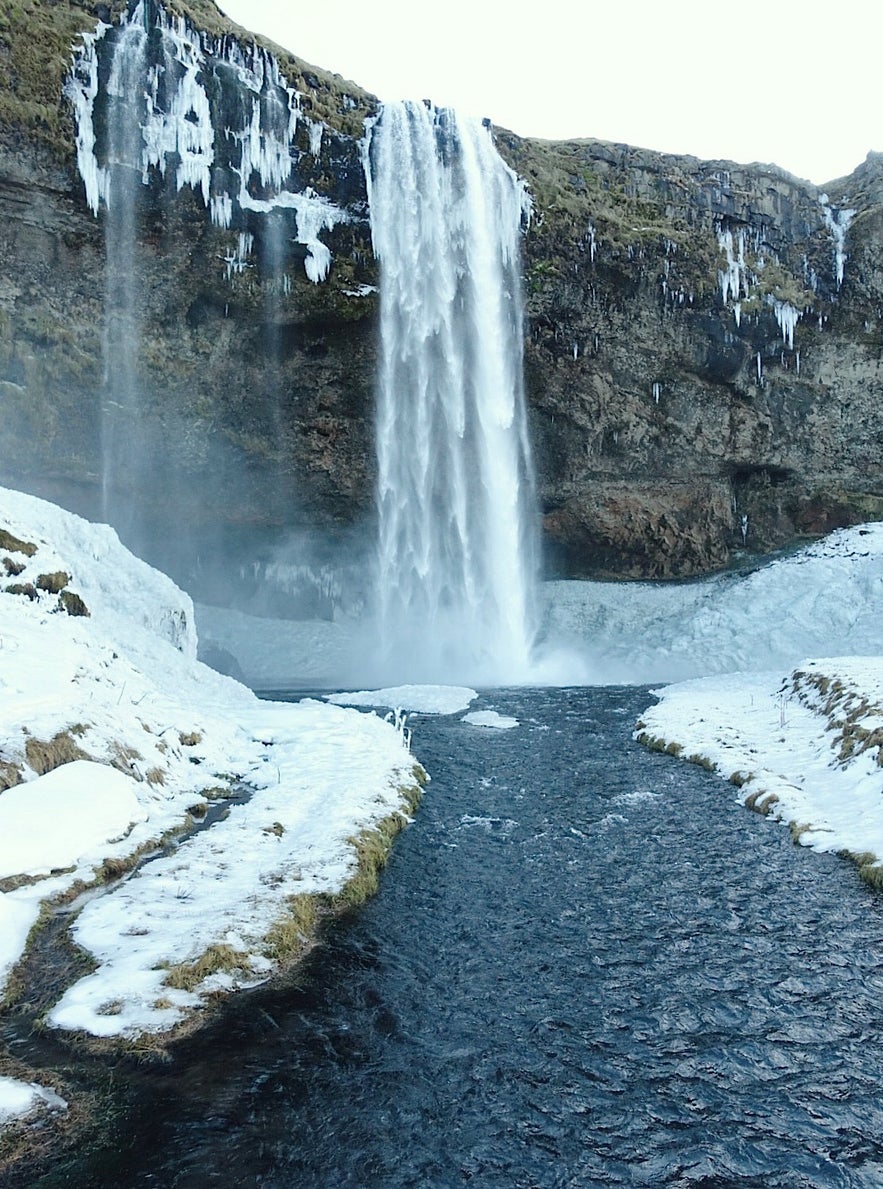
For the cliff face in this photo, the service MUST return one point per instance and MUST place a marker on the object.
(196, 321)
(702, 380)
(704, 355)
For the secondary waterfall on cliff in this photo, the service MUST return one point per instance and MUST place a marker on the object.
(455, 490)
(122, 446)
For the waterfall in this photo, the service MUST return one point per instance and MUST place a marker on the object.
(122, 448)
(456, 554)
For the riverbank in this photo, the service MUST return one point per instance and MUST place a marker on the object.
(805, 748)
(182, 838)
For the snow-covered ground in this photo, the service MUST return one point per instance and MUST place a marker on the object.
(805, 747)
(420, 699)
(112, 737)
(824, 600)
(800, 739)
(18, 1099)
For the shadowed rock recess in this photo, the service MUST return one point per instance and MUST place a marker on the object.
(703, 339)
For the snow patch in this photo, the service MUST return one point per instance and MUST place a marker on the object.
(490, 719)
(21, 1098)
(420, 699)
(51, 822)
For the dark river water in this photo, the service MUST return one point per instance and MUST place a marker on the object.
(587, 965)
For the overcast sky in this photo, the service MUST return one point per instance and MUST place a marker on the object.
(795, 83)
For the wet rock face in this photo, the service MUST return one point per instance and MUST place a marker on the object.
(692, 348)
(700, 380)
(254, 383)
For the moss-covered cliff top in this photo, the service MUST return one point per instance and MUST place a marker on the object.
(36, 42)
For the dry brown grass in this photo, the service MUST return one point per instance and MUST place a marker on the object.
(73, 604)
(15, 544)
(45, 756)
(762, 802)
(22, 588)
(123, 758)
(187, 976)
(54, 583)
(295, 932)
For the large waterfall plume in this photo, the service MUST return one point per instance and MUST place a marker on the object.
(456, 557)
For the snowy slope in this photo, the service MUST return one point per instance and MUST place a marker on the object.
(822, 601)
(110, 732)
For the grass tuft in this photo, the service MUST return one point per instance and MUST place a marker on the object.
(15, 545)
(294, 933)
(10, 775)
(53, 583)
(73, 604)
(45, 756)
(27, 589)
(219, 958)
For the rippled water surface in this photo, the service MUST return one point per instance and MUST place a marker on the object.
(587, 966)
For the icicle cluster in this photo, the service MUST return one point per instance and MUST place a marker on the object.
(82, 90)
(787, 317)
(181, 130)
(837, 222)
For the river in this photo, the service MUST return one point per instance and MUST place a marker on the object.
(587, 965)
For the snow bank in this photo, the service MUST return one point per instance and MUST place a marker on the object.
(806, 748)
(112, 734)
(822, 601)
(420, 699)
(85, 804)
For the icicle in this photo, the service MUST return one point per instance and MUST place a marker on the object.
(657, 392)
(837, 222)
(787, 317)
(222, 210)
(238, 260)
(316, 129)
(731, 279)
(81, 89)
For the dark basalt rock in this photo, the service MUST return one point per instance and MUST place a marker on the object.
(658, 422)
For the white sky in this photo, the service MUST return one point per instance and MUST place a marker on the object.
(798, 84)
